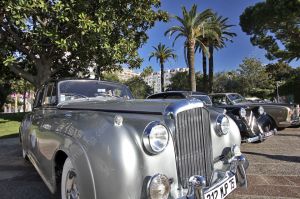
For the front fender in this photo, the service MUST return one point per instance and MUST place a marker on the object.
(227, 140)
(120, 165)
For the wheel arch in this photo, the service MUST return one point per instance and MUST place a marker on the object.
(81, 163)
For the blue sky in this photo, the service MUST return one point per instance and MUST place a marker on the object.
(225, 59)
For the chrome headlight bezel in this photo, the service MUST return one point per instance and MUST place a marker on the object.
(160, 180)
(242, 112)
(261, 110)
(150, 134)
(222, 125)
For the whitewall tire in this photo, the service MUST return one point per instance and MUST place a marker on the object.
(69, 185)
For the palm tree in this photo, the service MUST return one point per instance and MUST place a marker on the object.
(211, 31)
(214, 43)
(189, 28)
(162, 54)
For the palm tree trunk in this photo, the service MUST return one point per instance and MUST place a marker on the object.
(205, 81)
(211, 68)
(162, 77)
(191, 62)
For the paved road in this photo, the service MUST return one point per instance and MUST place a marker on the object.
(274, 170)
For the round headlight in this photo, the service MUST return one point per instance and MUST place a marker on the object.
(222, 125)
(261, 110)
(156, 137)
(159, 187)
(243, 112)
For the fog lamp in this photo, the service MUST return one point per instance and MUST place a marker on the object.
(159, 187)
(236, 150)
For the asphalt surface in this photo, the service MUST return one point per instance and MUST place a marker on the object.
(274, 170)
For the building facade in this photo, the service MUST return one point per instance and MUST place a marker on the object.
(153, 80)
(126, 74)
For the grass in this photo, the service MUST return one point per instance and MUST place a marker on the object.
(9, 124)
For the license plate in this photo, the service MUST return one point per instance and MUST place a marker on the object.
(223, 190)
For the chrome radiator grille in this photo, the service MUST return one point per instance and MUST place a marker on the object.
(252, 122)
(193, 145)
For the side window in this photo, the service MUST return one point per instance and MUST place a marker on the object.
(219, 99)
(228, 101)
(50, 95)
(39, 97)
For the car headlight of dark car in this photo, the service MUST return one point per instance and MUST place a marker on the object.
(222, 125)
(261, 110)
(243, 112)
(156, 137)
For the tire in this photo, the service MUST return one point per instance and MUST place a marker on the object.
(69, 186)
(24, 155)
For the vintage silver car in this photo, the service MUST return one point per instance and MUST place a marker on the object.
(283, 115)
(90, 139)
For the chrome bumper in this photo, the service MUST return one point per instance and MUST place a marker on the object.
(261, 137)
(197, 184)
(295, 122)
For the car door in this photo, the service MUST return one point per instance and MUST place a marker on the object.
(36, 121)
(47, 138)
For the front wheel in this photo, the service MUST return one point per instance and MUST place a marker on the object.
(69, 185)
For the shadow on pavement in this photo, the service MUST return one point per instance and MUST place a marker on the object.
(290, 135)
(295, 159)
(10, 136)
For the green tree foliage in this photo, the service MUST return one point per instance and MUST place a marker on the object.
(280, 71)
(139, 88)
(180, 82)
(255, 80)
(7, 80)
(110, 76)
(191, 29)
(40, 39)
(292, 86)
(227, 82)
(162, 54)
(147, 71)
(274, 26)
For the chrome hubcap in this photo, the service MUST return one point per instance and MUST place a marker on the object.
(72, 191)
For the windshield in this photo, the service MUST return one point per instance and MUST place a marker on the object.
(76, 89)
(236, 98)
(204, 98)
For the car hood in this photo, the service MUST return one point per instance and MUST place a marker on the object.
(148, 106)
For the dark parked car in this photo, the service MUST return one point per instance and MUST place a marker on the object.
(283, 115)
(91, 139)
(254, 124)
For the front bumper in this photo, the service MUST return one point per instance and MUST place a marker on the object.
(261, 136)
(293, 122)
(197, 184)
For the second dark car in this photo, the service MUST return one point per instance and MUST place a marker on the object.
(253, 122)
